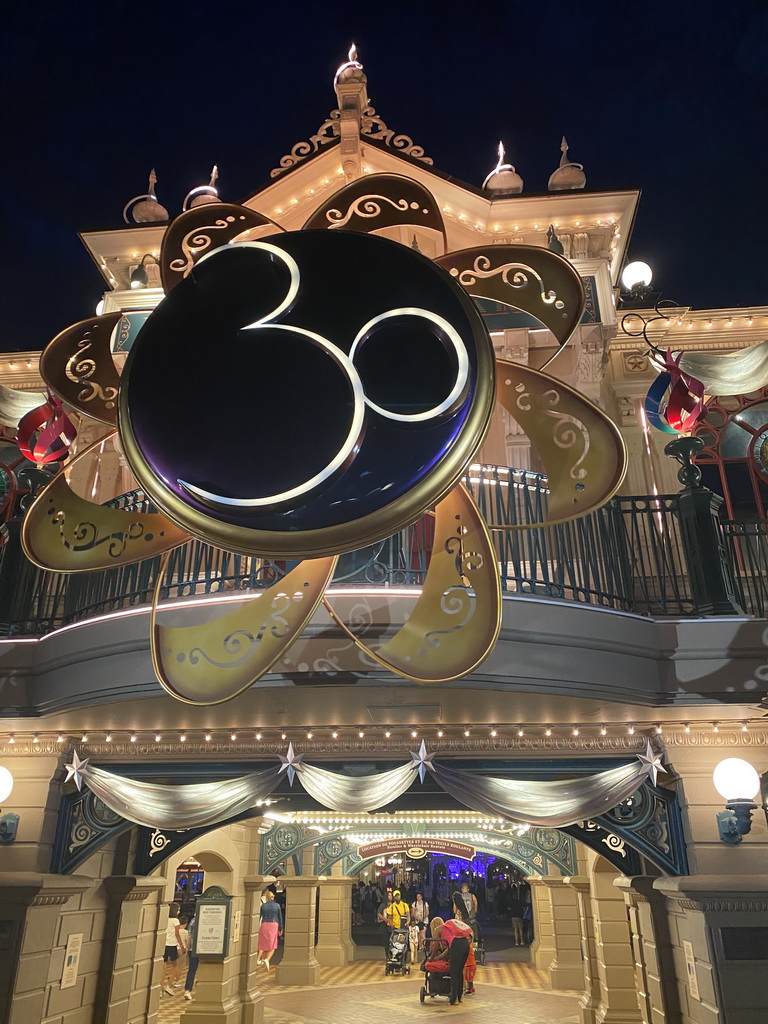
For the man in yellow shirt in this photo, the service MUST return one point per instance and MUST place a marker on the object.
(399, 914)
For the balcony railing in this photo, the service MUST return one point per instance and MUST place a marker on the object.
(628, 555)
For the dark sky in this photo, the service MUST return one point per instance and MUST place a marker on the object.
(669, 97)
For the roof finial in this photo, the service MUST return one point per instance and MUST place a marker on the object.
(351, 70)
(503, 179)
(203, 193)
(147, 209)
(568, 175)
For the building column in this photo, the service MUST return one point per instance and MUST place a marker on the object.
(654, 971)
(615, 959)
(250, 994)
(299, 965)
(542, 947)
(30, 909)
(128, 982)
(590, 1000)
(565, 970)
(334, 934)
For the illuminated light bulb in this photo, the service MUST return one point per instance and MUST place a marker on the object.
(631, 730)
(575, 730)
(414, 733)
(736, 779)
(577, 223)
(658, 730)
(715, 727)
(520, 731)
(335, 734)
(439, 732)
(517, 227)
(547, 732)
(282, 735)
(466, 732)
(84, 738)
(493, 732)
(690, 323)
(108, 738)
(744, 727)
(158, 737)
(183, 738)
(730, 321)
(599, 222)
(35, 738)
(233, 736)
(59, 738)
(11, 738)
(535, 227)
(749, 321)
(258, 735)
(687, 727)
(387, 733)
(709, 324)
(207, 737)
(603, 731)
(309, 735)
(133, 737)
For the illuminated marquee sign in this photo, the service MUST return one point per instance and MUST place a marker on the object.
(416, 847)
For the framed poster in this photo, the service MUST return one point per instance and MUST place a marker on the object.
(212, 920)
(71, 960)
(690, 968)
(236, 927)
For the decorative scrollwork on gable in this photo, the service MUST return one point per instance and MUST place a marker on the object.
(374, 127)
(327, 132)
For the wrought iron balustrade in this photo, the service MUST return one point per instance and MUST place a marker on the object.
(628, 555)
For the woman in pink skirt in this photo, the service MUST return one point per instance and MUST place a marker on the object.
(271, 926)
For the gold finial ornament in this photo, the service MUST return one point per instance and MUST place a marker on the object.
(503, 179)
(203, 194)
(568, 176)
(147, 209)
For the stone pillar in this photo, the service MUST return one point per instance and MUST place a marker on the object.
(654, 974)
(299, 965)
(250, 994)
(565, 970)
(542, 947)
(590, 1000)
(717, 927)
(613, 945)
(128, 982)
(30, 907)
(334, 936)
(216, 999)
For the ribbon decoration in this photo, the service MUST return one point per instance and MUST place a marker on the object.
(553, 804)
(684, 405)
(45, 434)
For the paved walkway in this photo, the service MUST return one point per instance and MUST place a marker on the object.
(362, 994)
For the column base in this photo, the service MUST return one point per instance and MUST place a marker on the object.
(588, 1007)
(567, 978)
(337, 955)
(213, 1013)
(298, 974)
(609, 1016)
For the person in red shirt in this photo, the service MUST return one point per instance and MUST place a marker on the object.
(457, 936)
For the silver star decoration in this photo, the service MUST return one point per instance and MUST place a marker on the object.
(291, 763)
(422, 760)
(652, 762)
(77, 770)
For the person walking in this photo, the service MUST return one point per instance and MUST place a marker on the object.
(516, 915)
(470, 967)
(383, 917)
(420, 915)
(458, 937)
(171, 955)
(270, 928)
(193, 961)
(469, 909)
(399, 911)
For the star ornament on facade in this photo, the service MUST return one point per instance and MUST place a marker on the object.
(77, 770)
(651, 761)
(292, 763)
(422, 760)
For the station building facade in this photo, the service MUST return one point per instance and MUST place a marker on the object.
(645, 911)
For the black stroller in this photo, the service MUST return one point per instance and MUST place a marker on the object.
(435, 983)
(397, 952)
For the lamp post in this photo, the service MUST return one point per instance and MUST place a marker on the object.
(636, 284)
(139, 276)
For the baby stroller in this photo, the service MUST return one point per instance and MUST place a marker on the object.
(397, 952)
(436, 983)
(479, 947)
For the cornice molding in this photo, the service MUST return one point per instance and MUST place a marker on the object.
(723, 906)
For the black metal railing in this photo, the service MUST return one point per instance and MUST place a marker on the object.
(628, 555)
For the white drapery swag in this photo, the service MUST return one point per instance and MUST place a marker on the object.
(180, 807)
(551, 804)
(355, 794)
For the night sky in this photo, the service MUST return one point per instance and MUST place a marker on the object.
(670, 98)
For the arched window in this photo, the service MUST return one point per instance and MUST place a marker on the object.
(734, 462)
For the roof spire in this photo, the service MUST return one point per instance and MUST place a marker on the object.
(147, 209)
(351, 70)
(203, 193)
(503, 179)
(568, 175)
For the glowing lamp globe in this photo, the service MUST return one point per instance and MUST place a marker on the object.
(736, 779)
(636, 275)
(6, 784)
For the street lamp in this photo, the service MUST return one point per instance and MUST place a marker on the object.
(9, 822)
(738, 783)
(636, 285)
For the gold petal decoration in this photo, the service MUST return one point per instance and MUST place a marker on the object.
(528, 277)
(378, 201)
(77, 365)
(212, 662)
(581, 449)
(449, 632)
(63, 532)
(203, 228)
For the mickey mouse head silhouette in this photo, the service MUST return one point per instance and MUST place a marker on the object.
(306, 393)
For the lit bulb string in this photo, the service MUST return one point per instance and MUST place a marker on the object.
(313, 737)
(675, 401)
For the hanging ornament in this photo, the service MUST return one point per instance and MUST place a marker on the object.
(45, 434)
(675, 400)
